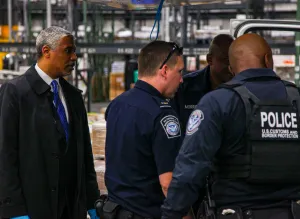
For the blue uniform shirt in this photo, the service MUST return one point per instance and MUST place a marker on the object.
(195, 85)
(143, 140)
(219, 128)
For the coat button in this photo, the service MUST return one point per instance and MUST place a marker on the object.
(55, 155)
(248, 212)
(7, 201)
(53, 189)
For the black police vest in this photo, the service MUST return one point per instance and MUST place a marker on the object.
(271, 140)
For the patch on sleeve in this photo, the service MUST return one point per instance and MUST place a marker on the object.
(194, 121)
(171, 126)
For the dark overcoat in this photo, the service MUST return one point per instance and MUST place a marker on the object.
(30, 153)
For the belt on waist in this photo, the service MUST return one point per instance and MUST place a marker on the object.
(268, 213)
(124, 214)
(293, 211)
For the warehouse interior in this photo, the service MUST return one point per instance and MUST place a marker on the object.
(109, 35)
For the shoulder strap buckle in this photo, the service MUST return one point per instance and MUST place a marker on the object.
(291, 90)
(292, 94)
(246, 96)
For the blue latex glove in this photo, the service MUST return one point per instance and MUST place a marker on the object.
(21, 217)
(92, 213)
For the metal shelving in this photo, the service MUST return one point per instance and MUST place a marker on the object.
(131, 48)
(96, 14)
(101, 49)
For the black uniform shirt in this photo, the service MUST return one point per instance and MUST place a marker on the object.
(143, 140)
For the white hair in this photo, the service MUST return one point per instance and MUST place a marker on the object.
(50, 37)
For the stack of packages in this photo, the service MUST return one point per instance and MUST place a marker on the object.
(117, 79)
(98, 139)
(100, 170)
(98, 134)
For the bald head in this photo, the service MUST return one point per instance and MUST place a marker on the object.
(250, 51)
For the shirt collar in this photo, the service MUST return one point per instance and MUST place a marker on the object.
(44, 76)
(207, 83)
(255, 73)
(148, 88)
(197, 81)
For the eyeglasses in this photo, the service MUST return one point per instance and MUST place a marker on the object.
(175, 48)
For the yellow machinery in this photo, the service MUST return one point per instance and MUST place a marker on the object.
(4, 38)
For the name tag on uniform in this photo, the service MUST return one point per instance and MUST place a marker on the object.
(190, 107)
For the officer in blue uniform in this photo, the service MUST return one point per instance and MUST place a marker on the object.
(246, 137)
(196, 84)
(144, 136)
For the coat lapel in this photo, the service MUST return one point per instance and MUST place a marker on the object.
(40, 87)
(74, 104)
(36, 82)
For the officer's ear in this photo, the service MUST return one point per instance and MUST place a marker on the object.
(163, 71)
(230, 70)
(269, 60)
(209, 59)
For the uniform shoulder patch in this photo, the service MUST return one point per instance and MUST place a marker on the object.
(171, 126)
(194, 121)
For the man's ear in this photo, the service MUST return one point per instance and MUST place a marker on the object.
(269, 61)
(209, 59)
(46, 51)
(163, 72)
(230, 70)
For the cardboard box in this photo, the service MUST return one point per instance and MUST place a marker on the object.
(117, 85)
(98, 139)
(100, 171)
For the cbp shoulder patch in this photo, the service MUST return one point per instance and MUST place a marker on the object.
(171, 126)
(194, 121)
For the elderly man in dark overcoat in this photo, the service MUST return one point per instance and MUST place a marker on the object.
(46, 161)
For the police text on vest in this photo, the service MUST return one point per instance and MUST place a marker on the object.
(282, 120)
(279, 125)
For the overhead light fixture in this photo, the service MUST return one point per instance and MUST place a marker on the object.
(235, 2)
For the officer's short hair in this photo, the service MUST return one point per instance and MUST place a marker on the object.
(155, 54)
(219, 41)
